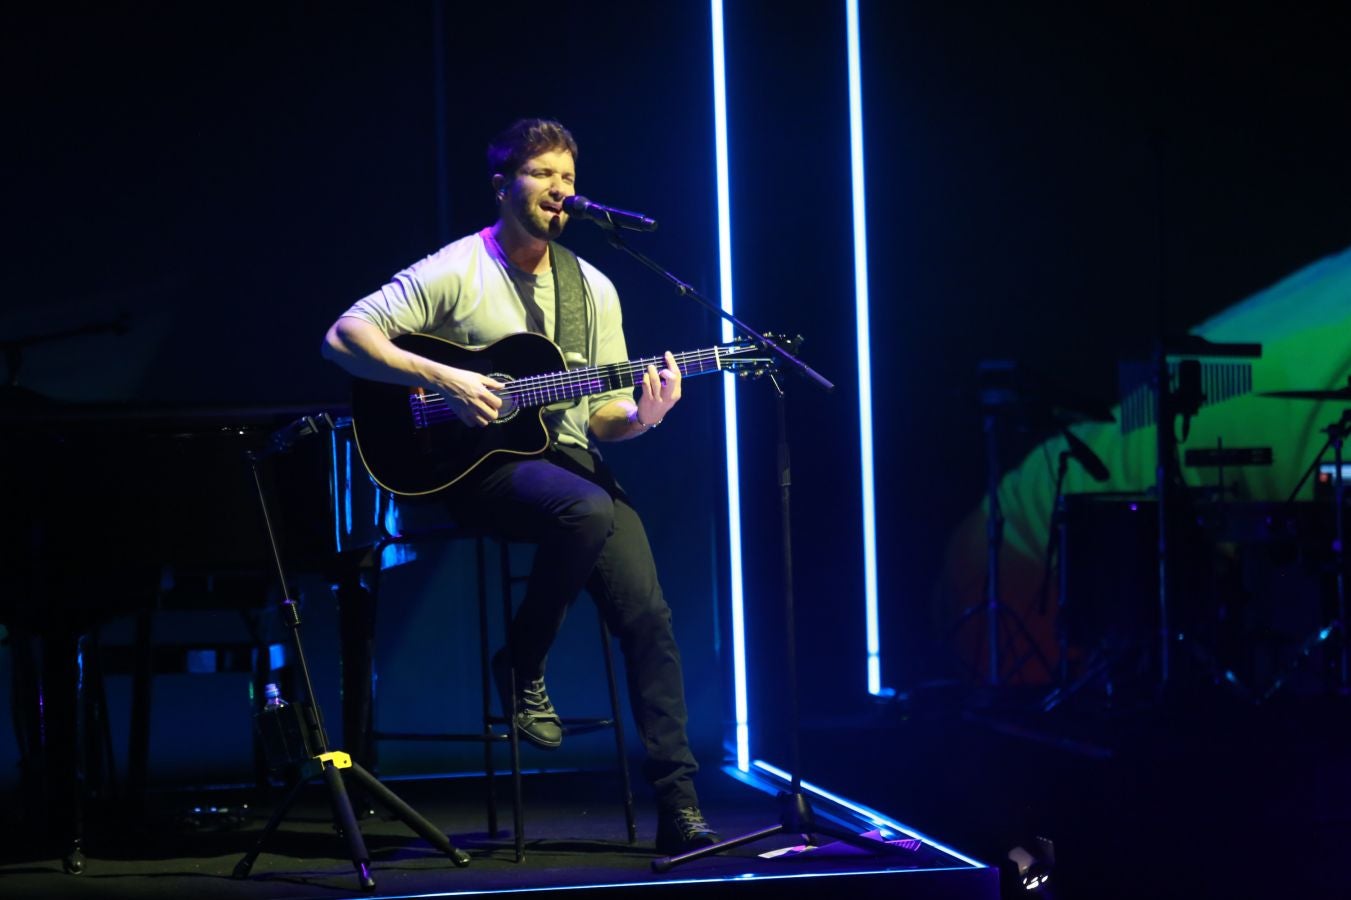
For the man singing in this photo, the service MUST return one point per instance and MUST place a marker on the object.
(508, 278)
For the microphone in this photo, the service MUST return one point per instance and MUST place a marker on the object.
(607, 216)
(1091, 462)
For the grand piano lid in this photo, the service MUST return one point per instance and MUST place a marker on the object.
(33, 412)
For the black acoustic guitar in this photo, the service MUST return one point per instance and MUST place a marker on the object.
(412, 443)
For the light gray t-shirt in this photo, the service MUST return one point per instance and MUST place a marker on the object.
(469, 293)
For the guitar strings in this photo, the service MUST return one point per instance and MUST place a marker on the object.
(582, 376)
(547, 383)
(535, 383)
(539, 387)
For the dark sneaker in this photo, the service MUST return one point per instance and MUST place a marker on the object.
(682, 830)
(536, 719)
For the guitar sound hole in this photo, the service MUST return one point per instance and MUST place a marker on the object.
(509, 408)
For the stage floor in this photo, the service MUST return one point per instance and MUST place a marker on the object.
(574, 840)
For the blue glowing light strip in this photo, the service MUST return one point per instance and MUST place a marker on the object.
(662, 886)
(865, 387)
(743, 753)
(869, 815)
(337, 489)
(347, 487)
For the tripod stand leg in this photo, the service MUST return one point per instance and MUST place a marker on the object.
(409, 816)
(795, 817)
(245, 865)
(346, 820)
(666, 863)
(1301, 657)
(872, 845)
(1097, 665)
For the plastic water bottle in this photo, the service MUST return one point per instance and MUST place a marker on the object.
(272, 695)
(282, 732)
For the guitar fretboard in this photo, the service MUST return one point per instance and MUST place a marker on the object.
(541, 390)
(555, 387)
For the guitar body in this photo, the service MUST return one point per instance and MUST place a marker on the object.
(411, 458)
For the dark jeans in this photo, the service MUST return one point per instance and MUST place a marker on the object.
(588, 536)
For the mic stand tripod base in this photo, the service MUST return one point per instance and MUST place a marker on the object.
(316, 756)
(331, 766)
(795, 817)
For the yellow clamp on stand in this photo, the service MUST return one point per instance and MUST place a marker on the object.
(337, 758)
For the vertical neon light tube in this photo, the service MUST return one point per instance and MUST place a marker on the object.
(865, 394)
(338, 544)
(743, 753)
(347, 487)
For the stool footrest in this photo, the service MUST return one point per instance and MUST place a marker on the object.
(586, 727)
(571, 725)
(483, 737)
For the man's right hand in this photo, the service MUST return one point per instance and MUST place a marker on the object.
(468, 394)
(364, 351)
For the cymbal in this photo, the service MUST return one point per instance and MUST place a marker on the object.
(1342, 393)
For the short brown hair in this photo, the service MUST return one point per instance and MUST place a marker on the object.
(524, 139)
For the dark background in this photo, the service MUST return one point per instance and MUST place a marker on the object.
(1045, 182)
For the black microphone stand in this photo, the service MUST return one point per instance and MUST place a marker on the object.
(303, 740)
(796, 815)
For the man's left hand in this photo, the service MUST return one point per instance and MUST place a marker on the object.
(661, 391)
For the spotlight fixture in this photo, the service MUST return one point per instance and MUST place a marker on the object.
(1034, 865)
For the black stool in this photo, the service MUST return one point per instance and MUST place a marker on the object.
(357, 598)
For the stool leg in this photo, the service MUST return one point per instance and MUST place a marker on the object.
(485, 676)
(514, 739)
(608, 653)
(101, 775)
(356, 627)
(138, 751)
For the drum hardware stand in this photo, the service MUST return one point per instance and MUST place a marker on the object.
(998, 393)
(1337, 433)
(1168, 404)
(796, 815)
(1221, 459)
(1055, 541)
(1186, 400)
(298, 736)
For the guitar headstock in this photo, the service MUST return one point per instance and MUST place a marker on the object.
(752, 359)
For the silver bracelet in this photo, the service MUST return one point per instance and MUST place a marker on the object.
(638, 417)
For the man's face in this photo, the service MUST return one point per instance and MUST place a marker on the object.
(534, 197)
